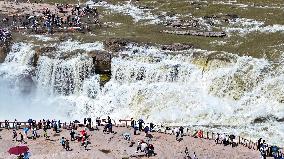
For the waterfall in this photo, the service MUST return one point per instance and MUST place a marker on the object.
(63, 76)
(193, 87)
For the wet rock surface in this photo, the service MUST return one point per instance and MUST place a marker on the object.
(101, 61)
(197, 33)
(177, 47)
(264, 119)
(4, 50)
(115, 44)
(40, 51)
(3, 53)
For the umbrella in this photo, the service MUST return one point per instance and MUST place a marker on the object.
(18, 150)
(83, 132)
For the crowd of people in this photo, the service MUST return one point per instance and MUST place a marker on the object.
(5, 35)
(144, 145)
(64, 17)
(267, 151)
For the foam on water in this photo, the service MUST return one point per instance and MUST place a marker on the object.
(227, 90)
(241, 26)
(249, 5)
(128, 8)
(43, 38)
(245, 26)
(68, 46)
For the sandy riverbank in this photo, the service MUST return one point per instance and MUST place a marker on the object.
(165, 146)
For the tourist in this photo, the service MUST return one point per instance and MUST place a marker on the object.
(72, 134)
(14, 135)
(151, 127)
(222, 138)
(55, 128)
(259, 144)
(26, 155)
(98, 120)
(217, 138)
(226, 140)
(39, 125)
(150, 150)
(30, 121)
(45, 132)
(59, 124)
(200, 134)
(67, 146)
(140, 122)
(146, 130)
(194, 156)
(127, 136)
(85, 144)
(26, 129)
(281, 156)
(21, 137)
(135, 129)
(138, 146)
(15, 124)
(7, 126)
(181, 131)
(263, 150)
(176, 131)
(34, 133)
(48, 124)
(63, 142)
(186, 153)
(132, 122)
(108, 120)
(274, 152)
(43, 123)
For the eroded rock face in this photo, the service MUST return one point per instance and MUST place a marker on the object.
(115, 44)
(177, 47)
(101, 61)
(47, 51)
(3, 53)
(4, 49)
(197, 33)
(5, 43)
(264, 119)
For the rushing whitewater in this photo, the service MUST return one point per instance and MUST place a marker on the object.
(214, 90)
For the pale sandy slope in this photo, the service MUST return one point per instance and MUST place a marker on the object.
(165, 146)
(11, 8)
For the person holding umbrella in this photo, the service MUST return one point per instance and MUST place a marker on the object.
(18, 150)
(27, 155)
